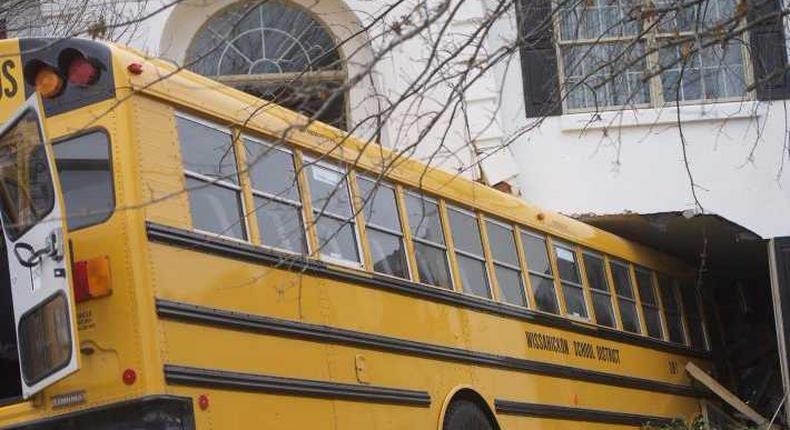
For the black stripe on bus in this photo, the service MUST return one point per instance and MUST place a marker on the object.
(223, 379)
(259, 324)
(231, 249)
(539, 410)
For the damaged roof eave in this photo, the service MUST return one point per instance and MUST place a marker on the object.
(725, 245)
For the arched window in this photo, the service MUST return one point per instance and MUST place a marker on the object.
(275, 51)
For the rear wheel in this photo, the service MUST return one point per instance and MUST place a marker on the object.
(466, 415)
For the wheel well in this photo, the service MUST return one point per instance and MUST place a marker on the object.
(474, 397)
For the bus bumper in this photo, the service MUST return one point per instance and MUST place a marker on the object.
(149, 413)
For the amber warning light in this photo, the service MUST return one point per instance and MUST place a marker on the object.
(91, 279)
(73, 69)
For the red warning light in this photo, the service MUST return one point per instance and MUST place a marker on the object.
(129, 376)
(82, 72)
(203, 402)
(135, 68)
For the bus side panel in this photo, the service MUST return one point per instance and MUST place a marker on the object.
(162, 177)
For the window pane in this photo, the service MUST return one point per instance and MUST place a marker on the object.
(473, 276)
(424, 219)
(653, 322)
(45, 339)
(388, 253)
(85, 173)
(596, 276)
(466, 232)
(622, 280)
(336, 239)
(271, 170)
(536, 254)
(545, 296)
(380, 206)
(280, 225)
(696, 333)
(596, 18)
(688, 295)
(215, 209)
(675, 327)
(600, 75)
(644, 282)
(206, 150)
(432, 265)
(602, 306)
(628, 315)
(566, 264)
(574, 301)
(27, 191)
(503, 245)
(329, 191)
(712, 72)
(667, 287)
(510, 287)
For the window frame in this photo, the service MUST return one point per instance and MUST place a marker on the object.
(592, 291)
(306, 163)
(634, 292)
(673, 286)
(459, 284)
(654, 84)
(110, 163)
(208, 181)
(662, 323)
(367, 224)
(256, 193)
(570, 247)
(494, 263)
(547, 244)
(413, 239)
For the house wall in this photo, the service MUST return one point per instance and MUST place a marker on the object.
(615, 162)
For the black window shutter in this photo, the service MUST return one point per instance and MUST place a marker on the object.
(542, 96)
(769, 57)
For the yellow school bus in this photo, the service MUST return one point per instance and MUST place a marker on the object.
(181, 255)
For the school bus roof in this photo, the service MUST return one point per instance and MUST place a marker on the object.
(164, 80)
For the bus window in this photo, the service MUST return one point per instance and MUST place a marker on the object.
(666, 286)
(647, 295)
(572, 289)
(84, 168)
(696, 329)
(383, 228)
(428, 237)
(625, 296)
(506, 265)
(469, 252)
(334, 216)
(211, 179)
(599, 287)
(278, 207)
(541, 277)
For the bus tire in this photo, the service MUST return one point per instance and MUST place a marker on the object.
(464, 414)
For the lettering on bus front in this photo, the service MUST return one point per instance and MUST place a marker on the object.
(560, 345)
(8, 82)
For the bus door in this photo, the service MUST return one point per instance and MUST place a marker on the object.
(779, 266)
(38, 259)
